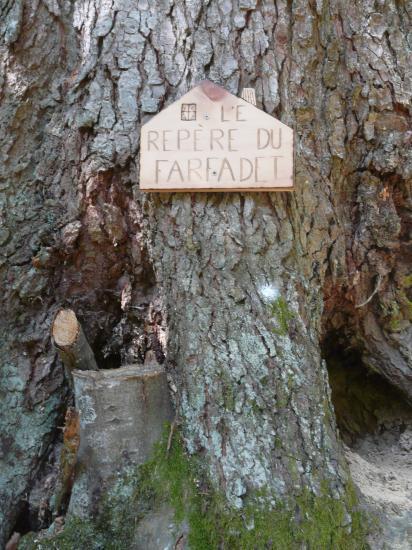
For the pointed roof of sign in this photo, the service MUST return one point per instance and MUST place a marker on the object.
(209, 91)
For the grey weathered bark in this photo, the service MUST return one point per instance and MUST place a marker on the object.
(225, 272)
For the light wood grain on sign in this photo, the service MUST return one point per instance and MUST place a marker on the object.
(211, 140)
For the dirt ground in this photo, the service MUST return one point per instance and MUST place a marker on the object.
(381, 467)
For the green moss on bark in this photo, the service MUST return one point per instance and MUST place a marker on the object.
(407, 281)
(173, 478)
(280, 311)
(78, 534)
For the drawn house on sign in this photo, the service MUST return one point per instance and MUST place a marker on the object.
(211, 140)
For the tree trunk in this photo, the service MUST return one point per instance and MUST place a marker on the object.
(236, 291)
(243, 344)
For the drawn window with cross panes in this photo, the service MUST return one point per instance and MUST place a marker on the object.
(188, 111)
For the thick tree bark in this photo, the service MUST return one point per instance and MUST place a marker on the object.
(252, 386)
(233, 289)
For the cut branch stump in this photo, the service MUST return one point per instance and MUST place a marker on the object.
(71, 342)
(123, 413)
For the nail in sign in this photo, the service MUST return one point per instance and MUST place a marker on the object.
(211, 140)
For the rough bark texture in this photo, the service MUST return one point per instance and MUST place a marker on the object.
(243, 352)
(238, 288)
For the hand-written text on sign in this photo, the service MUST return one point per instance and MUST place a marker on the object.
(216, 145)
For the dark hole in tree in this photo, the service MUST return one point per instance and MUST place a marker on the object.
(111, 340)
(364, 402)
(23, 523)
(105, 360)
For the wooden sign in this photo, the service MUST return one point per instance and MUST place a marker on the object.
(211, 140)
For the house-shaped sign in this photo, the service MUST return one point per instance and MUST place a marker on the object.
(211, 140)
